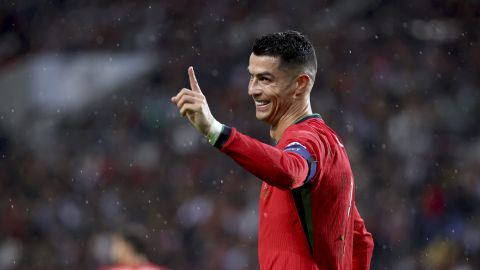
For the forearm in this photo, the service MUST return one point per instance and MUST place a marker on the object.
(284, 169)
(278, 168)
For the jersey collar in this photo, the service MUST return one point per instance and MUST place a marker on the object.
(306, 117)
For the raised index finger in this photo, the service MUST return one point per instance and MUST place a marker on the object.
(193, 80)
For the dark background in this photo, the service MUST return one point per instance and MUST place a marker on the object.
(398, 80)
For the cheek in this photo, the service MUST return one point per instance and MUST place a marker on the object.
(281, 103)
(272, 92)
(277, 96)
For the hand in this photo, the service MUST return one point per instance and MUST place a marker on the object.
(193, 105)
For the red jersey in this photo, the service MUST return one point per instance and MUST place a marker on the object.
(146, 266)
(308, 217)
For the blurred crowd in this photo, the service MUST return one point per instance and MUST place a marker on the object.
(398, 80)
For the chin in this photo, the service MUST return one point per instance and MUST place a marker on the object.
(263, 117)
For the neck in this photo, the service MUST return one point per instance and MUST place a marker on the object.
(292, 114)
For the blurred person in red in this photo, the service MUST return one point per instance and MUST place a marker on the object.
(128, 250)
(308, 217)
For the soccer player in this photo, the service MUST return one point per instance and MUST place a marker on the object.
(128, 250)
(308, 217)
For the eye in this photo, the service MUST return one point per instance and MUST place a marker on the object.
(264, 79)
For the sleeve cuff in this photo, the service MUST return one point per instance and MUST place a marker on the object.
(223, 138)
(214, 132)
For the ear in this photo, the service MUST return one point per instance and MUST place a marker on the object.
(303, 85)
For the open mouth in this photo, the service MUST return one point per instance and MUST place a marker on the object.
(261, 103)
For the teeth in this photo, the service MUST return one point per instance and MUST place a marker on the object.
(260, 103)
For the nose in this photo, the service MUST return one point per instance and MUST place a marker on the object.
(253, 89)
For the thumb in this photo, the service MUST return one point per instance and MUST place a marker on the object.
(193, 80)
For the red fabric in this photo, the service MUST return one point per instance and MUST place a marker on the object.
(147, 266)
(362, 242)
(340, 240)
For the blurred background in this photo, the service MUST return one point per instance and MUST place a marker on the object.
(89, 140)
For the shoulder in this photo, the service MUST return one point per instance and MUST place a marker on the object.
(309, 130)
(314, 134)
(302, 135)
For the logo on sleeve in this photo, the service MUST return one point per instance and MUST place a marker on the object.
(295, 146)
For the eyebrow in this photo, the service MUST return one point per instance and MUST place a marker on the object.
(266, 73)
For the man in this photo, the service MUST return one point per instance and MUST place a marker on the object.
(127, 250)
(308, 217)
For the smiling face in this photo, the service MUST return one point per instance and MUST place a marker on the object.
(271, 88)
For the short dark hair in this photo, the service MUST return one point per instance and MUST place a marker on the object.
(135, 235)
(292, 47)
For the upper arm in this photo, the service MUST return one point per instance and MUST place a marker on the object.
(300, 149)
(306, 144)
